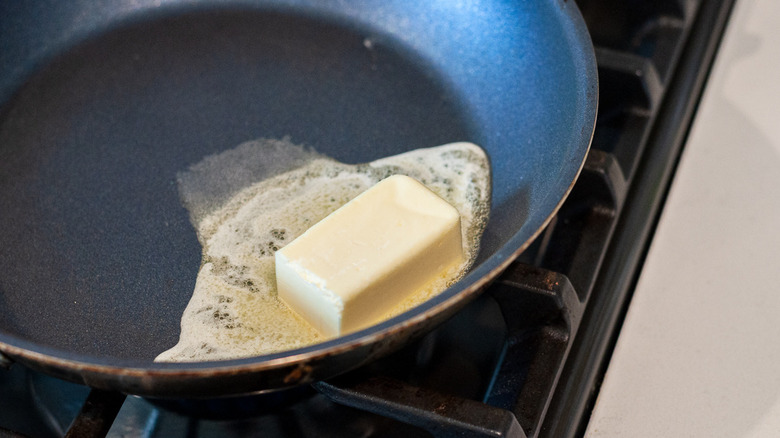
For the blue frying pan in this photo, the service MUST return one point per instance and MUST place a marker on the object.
(102, 103)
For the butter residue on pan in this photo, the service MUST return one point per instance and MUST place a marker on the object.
(276, 190)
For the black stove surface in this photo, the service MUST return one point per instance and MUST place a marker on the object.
(526, 358)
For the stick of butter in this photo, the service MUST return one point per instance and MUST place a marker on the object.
(344, 273)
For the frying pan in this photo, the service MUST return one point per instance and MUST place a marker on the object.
(102, 103)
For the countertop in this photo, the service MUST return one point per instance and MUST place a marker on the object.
(699, 351)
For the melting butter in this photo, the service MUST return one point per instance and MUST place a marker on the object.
(276, 190)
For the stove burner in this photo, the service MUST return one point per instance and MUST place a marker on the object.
(236, 408)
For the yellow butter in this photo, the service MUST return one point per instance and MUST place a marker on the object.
(344, 273)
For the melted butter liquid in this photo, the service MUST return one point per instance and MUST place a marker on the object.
(234, 311)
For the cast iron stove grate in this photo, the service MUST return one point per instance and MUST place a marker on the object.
(525, 359)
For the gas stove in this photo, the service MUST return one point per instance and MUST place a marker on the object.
(526, 358)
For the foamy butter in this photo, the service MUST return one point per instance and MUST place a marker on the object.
(234, 311)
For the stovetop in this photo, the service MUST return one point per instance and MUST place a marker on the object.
(525, 359)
